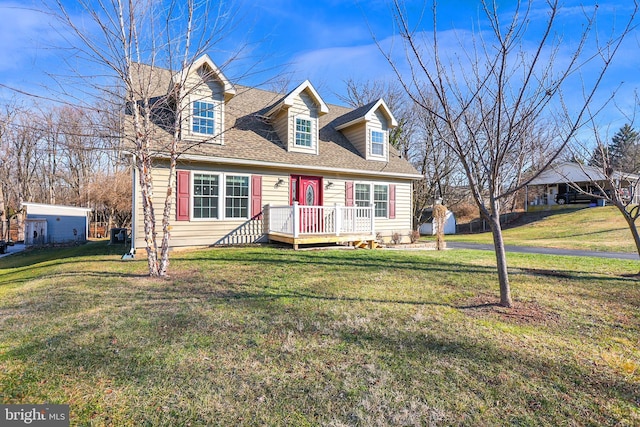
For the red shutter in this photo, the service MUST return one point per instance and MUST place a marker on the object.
(182, 196)
(348, 187)
(392, 201)
(256, 196)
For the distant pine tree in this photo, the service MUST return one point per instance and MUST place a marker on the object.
(624, 150)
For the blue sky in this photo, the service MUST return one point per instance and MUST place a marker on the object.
(326, 42)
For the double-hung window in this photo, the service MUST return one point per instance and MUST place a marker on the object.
(363, 195)
(206, 191)
(203, 118)
(379, 198)
(210, 191)
(377, 143)
(237, 197)
(303, 133)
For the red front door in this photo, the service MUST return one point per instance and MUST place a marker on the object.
(307, 191)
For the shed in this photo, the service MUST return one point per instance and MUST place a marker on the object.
(429, 226)
(55, 224)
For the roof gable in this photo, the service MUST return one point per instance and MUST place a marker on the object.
(205, 63)
(367, 113)
(289, 99)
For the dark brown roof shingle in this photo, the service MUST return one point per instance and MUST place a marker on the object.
(250, 136)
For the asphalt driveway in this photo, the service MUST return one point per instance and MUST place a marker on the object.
(546, 251)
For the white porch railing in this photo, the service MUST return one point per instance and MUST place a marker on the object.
(334, 220)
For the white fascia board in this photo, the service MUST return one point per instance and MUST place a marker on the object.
(273, 165)
(369, 115)
(352, 122)
(289, 100)
(385, 109)
(59, 208)
(181, 76)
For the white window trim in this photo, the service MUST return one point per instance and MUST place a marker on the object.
(372, 195)
(314, 134)
(384, 143)
(214, 108)
(222, 196)
(218, 120)
(373, 198)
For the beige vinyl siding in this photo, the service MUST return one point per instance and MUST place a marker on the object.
(335, 194)
(215, 231)
(357, 135)
(402, 223)
(207, 91)
(377, 123)
(281, 126)
(242, 231)
(304, 107)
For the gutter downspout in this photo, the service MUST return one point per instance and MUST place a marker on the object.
(132, 250)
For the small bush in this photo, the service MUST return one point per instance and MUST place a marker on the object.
(414, 236)
(396, 238)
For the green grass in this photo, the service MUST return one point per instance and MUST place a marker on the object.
(598, 229)
(265, 336)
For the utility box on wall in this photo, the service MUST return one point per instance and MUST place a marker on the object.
(55, 224)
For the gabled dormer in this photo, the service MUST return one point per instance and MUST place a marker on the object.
(295, 118)
(207, 91)
(367, 128)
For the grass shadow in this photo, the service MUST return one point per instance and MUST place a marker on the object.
(31, 257)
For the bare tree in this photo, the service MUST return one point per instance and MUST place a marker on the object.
(417, 139)
(436, 161)
(603, 182)
(136, 40)
(111, 197)
(23, 159)
(7, 201)
(492, 96)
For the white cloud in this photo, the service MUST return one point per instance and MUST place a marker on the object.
(25, 36)
(328, 68)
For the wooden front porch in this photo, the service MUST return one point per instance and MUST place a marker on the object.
(305, 225)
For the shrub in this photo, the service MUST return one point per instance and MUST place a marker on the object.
(396, 238)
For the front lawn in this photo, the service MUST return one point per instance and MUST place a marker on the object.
(598, 229)
(265, 336)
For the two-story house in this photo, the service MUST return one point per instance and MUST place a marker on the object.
(263, 166)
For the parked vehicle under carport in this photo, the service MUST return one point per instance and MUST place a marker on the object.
(575, 196)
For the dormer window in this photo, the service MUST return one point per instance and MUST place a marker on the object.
(367, 128)
(295, 119)
(377, 143)
(203, 118)
(303, 132)
(203, 108)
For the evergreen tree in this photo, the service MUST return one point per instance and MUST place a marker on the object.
(624, 150)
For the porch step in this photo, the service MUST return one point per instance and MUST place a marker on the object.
(366, 244)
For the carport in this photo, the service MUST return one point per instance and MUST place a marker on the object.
(541, 192)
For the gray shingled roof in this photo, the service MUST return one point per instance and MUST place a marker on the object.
(354, 114)
(250, 136)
